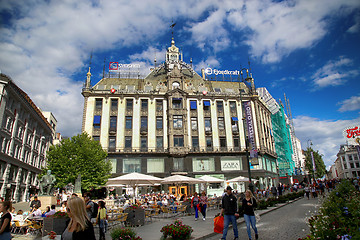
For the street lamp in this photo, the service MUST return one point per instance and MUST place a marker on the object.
(312, 157)
(251, 186)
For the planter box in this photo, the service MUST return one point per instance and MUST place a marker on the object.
(135, 217)
(57, 225)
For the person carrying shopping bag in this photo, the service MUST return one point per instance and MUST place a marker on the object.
(248, 206)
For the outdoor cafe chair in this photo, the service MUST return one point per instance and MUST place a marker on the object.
(182, 209)
(17, 227)
(165, 210)
(34, 228)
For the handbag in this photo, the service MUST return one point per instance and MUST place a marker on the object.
(219, 224)
(257, 215)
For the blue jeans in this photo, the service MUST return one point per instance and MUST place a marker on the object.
(196, 211)
(227, 220)
(203, 210)
(5, 236)
(250, 220)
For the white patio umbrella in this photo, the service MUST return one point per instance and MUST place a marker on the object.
(134, 180)
(241, 179)
(210, 179)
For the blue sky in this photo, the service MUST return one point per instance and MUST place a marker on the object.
(307, 49)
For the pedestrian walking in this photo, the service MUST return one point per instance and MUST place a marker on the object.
(101, 219)
(274, 191)
(248, 206)
(5, 225)
(203, 204)
(307, 191)
(229, 209)
(195, 201)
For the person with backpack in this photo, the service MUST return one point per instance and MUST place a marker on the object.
(195, 204)
(91, 207)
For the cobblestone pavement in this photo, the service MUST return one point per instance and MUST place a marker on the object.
(286, 223)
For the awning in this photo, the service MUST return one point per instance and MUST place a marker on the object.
(97, 119)
(235, 119)
(193, 105)
(206, 103)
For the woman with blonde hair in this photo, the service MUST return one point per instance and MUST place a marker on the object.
(79, 226)
(248, 205)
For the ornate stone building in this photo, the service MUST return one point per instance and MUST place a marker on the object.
(347, 162)
(175, 121)
(25, 136)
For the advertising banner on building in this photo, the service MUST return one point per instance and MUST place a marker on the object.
(313, 161)
(251, 133)
(352, 135)
(230, 165)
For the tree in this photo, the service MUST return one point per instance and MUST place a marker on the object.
(79, 155)
(319, 163)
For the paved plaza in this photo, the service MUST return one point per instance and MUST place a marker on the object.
(285, 221)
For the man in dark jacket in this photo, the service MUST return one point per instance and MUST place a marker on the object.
(35, 202)
(229, 209)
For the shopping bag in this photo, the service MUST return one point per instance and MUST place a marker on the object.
(219, 224)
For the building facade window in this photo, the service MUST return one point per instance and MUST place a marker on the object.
(96, 138)
(98, 103)
(236, 142)
(177, 103)
(128, 122)
(178, 121)
(208, 142)
(114, 104)
(207, 122)
(131, 165)
(128, 141)
(234, 124)
(144, 105)
(155, 165)
(112, 142)
(219, 106)
(143, 142)
(232, 105)
(129, 104)
(159, 105)
(221, 123)
(159, 122)
(222, 142)
(113, 123)
(206, 105)
(194, 125)
(193, 105)
(144, 122)
(113, 163)
(159, 142)
(178, 164)
(203, 165)
(195, 142)
(178, 141)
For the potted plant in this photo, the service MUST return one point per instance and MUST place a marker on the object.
(136, 215)
(176, 231)
(55, 223)
(124, 233)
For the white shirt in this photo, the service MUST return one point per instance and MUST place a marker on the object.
(37, 212)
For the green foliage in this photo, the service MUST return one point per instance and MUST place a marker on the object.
(269, 202)
(79, 155)
(177, 231)
(339, 216)
(319, 163)
(124, 233)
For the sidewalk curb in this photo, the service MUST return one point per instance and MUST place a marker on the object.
(242, 220)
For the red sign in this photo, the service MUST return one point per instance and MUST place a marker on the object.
(113, 66)
(353, 132)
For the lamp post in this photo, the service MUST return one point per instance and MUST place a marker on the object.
(251, 186)
(312, 158)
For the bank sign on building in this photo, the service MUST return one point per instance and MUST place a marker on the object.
(174, 121)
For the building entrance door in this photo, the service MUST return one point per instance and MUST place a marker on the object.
(178, 190)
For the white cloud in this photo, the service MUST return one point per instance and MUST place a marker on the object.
(350, 104)
(326, 135)
(211, 61)
(356, 27)
(333, 73)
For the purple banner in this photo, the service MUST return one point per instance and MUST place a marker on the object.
(251, 133)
